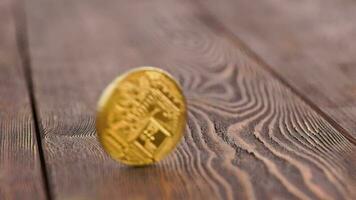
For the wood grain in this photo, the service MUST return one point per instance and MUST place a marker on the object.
(248, 135)
(20, 169)
(311, 44)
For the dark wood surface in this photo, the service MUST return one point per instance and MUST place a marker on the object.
(20, 168)
(250, 134)
(311, 44)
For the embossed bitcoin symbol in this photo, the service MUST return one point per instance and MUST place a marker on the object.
(141, 116)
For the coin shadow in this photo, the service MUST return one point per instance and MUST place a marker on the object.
(148, 181)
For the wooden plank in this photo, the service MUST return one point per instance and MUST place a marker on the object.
(311, 44)
(248, 135)
(20, 168)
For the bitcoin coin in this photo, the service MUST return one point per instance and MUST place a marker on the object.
(141, 116)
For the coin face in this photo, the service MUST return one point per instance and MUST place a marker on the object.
(141, 116)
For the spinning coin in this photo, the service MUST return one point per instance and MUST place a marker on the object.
(141, 116)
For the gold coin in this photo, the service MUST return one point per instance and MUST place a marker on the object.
(141, 116)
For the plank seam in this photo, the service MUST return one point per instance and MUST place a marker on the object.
(217, 26)
(25, 60)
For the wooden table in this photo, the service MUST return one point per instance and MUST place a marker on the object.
(270, 85)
